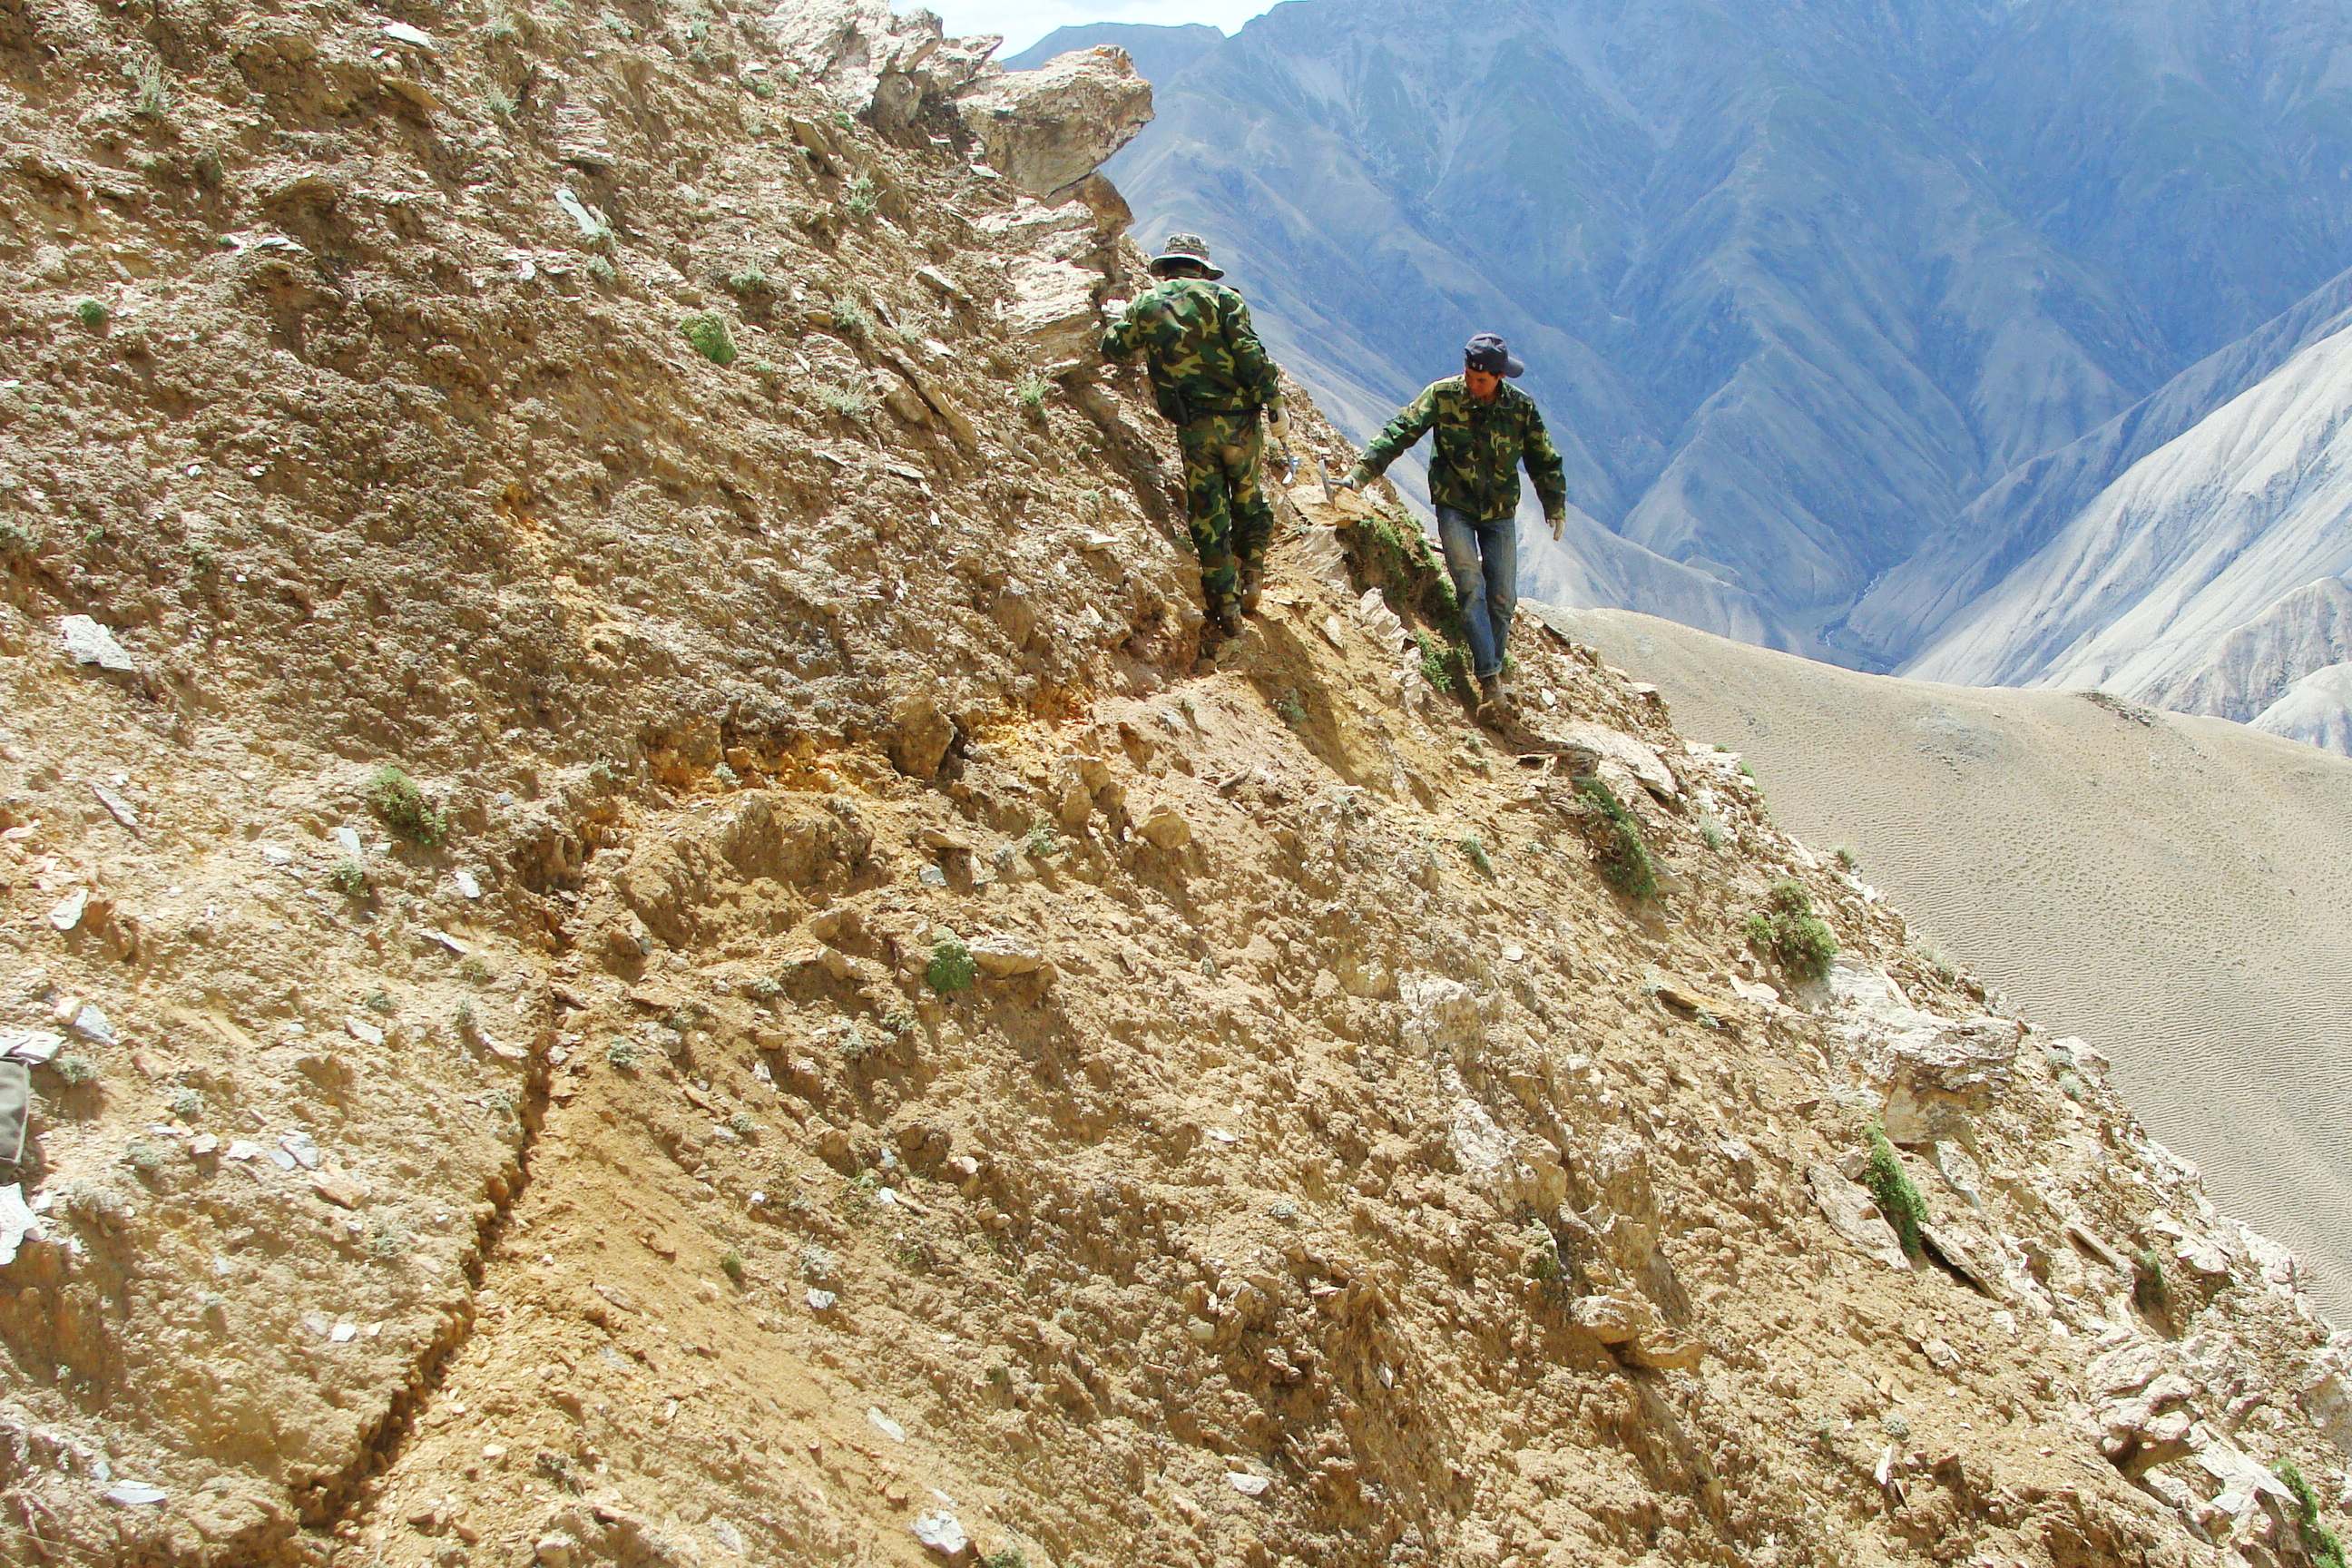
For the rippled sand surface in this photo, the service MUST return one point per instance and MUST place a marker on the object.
(2178, 890)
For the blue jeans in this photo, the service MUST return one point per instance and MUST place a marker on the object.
(1483, 559)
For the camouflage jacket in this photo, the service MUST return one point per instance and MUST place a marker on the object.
(1203, 354)
(1478, 449)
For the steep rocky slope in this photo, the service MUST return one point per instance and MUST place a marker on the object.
(863, 1047)
(1991, 818)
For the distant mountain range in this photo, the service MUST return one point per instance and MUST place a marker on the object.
(1844, 314)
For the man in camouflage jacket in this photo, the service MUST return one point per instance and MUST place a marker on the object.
(1211, 378)
(1486, 430)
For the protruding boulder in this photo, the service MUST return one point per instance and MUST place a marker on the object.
(1936, 1072)
(920, 736)
(1048, 129)
(874, 59)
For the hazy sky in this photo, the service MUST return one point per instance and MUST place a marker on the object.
(1023, 22)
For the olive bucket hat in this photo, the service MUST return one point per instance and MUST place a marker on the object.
(1187, 247)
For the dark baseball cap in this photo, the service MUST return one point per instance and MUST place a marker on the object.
(1486, 352)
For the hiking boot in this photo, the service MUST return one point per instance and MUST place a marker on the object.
(1253, 582)
(1494, 699)
(1225, 620)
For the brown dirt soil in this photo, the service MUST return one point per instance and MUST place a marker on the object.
(1317, 1162)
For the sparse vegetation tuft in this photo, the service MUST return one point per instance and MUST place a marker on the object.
(1625, 863)
(1847, 861)
(748, 280)
(732, 1265)
(708, 332)
(623, 1054)
(860, 198)
(74, 1070)
(849, 316)
(1476, 854)
(2321, 1545)
(501, 105)
(154, 90)
(348, 878)
(1041, 841)
(1293, 708)
(393, 796)
(845, 402)
(1030, 393)
(1436, 662)
(1799, 940)
(1005, 1557)
(1894, 1192)
(952, 968)
(91, 313)
(601, 269)
(2150, 1293)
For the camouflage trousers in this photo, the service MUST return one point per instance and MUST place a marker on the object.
(1225, 501)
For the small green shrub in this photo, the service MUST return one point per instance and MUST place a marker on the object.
(502, 26)
(708, 332)
(501, 105)
(381, 1001)
(1894, 1192)
(74, 1070)
(860, 198)
(1042, 842)
(1625, 863)
(147, 1155)
(1846, 859)
(845, 402)
(1476, 852)
(850, 317)
(2149, 1290)
(187, 1104)
(154, 90)
(748, 280)
(1005, 1557)
(473, 971)
(14, 539)
(601, 269)
(623, 1054)
(742, 1125)
(348, 878)
(1799, 940)
(92, 314)
(2321, 1545)
(1436, 662)
(732, 1265)
(1293, 708)
(1542, 1258)
(1030, 393)
(952, 968)
(463, 1020)
(1710, 832)
(393, 796)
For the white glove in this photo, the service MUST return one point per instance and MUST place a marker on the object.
(1277, 419)
(1353, 479)
(1559, 521)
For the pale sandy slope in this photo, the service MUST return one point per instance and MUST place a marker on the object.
(2178, 891)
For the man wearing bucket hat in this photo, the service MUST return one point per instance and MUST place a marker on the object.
(1486, 430)
(1212, 378)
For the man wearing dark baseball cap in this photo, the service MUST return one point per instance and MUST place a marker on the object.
(1485, 431)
